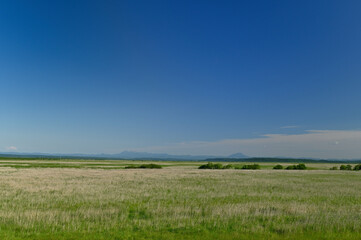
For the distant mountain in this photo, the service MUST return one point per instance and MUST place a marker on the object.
(238, 155)
(146, 155)
(122, 155)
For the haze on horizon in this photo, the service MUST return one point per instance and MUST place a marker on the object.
(263, 78)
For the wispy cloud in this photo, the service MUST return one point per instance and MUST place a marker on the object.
(311, 143)
(11, 148)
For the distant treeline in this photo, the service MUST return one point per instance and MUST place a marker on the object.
(54, 157)
(276, 160)
(70, 157)
(39, 157)
(255, 159)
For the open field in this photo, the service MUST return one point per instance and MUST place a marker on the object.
(75, 199)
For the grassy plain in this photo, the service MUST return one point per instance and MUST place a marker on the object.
(84, 199)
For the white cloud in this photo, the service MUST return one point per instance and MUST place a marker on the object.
(311, 143)
(11, 148)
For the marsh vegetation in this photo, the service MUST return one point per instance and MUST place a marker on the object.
(103, 200)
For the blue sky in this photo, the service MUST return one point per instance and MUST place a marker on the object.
(165, 76)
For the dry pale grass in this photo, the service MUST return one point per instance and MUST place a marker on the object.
(98, 203)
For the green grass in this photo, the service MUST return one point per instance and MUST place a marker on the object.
(92, 200)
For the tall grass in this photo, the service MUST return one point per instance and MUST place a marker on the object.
(179, 202)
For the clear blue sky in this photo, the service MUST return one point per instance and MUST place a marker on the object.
(107, 76)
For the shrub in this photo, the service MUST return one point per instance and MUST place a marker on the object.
(253, 166)
(151, 165)
(211, 166)
(131, 166)
(333, 168)
(206, 166)
(300, 166)
(346, 167)
(278, 166)
(357, 167)
(229, 166)
(218, 166)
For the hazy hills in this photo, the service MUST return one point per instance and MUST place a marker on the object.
(131, 155)
(122, 155)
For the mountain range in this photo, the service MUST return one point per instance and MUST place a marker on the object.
(122, 155)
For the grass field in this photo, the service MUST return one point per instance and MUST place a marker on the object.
(75, 199)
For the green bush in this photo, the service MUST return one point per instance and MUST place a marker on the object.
(278, 166)
(206, 166)
(346, 167)
(211, 166)
(229, 166)
(334, 168)
(357, 167)
(300, 166)
(218, 166)
(253, 166)
(151, 165)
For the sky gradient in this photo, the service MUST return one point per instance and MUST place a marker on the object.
(181, 77)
